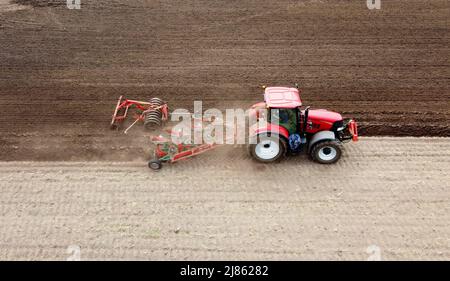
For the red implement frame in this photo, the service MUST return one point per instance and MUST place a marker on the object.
(123, 106)
(169, 152)
(179, 150)
(192, 152)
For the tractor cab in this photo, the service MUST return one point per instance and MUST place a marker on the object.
(284, 105)
(282, 97)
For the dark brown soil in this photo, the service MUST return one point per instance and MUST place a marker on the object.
(62, 70)
(41, 3)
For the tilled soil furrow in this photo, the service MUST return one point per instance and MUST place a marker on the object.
(65, 68)
(390, 193)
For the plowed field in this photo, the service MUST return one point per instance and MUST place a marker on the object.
(62, 70)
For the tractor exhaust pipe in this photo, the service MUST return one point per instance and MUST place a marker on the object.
(305, 123)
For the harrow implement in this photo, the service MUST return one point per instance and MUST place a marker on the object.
(152, 113)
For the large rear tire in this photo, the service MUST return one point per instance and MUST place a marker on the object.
(268, 148)
(326, 152)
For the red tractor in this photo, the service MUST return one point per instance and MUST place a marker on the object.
(284, 127)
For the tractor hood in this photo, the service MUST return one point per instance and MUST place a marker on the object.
(324, 115)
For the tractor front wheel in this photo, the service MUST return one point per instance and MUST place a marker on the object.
(326, 152)
(268, 148)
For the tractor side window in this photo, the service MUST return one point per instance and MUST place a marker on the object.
(286, 117)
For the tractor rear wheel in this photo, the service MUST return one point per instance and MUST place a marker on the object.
(326, 152)
(268, 148)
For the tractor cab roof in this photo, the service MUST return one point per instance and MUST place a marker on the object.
(282, 97)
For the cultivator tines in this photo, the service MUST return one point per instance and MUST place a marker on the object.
(152, 113)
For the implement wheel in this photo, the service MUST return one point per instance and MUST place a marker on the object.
(155, 165)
